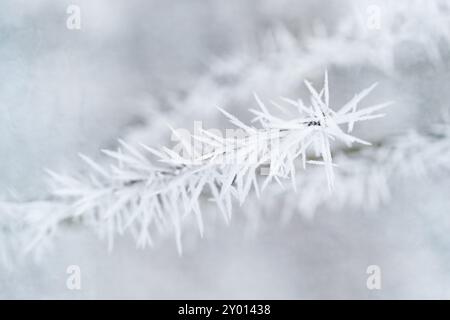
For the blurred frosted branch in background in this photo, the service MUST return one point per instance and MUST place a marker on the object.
(279, 62)
(424, 25)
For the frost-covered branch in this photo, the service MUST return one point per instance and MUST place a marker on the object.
(145, 197)
(364, 179)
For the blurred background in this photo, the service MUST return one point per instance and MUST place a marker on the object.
(136, 64)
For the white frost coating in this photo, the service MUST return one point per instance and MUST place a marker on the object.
(136, 196)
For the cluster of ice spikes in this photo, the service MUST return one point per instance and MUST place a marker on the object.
(134, 195)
